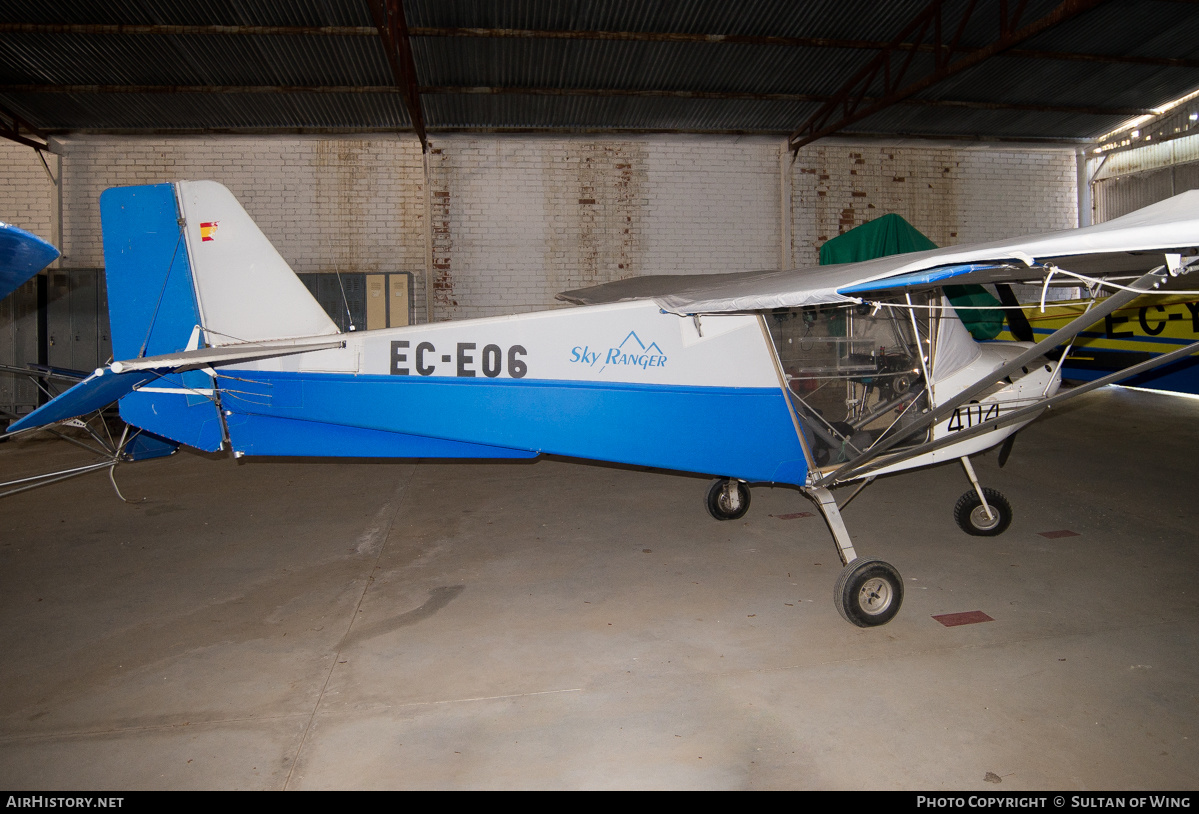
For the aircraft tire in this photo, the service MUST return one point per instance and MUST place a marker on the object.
(869, 592)
(718, 503)
(972, 519)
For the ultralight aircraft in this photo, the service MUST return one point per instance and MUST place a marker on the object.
(813, 378)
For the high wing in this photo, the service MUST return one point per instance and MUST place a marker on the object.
(1131, 244)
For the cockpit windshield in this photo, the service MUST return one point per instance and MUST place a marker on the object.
(854, 373)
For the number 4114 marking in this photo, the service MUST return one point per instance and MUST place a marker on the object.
(972, 414)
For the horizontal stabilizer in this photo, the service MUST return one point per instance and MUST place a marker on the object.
(226, 354)
(22, 255)
(110, 384)
(94, 393)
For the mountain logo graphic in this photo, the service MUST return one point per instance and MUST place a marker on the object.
(631, 352)
(653, 346)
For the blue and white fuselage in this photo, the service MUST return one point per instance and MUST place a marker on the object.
(782, 377)
(623, 382)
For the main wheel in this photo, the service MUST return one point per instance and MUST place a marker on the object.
(727, 499)
(869, 592)
(972, 517)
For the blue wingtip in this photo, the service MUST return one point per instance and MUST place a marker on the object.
(22, 255)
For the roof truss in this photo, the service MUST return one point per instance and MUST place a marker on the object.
(393, 31)
(12, 125)
(943, 39)
(891, 70)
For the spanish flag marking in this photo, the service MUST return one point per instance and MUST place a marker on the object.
(208, 230)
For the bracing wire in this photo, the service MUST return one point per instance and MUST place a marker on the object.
(345, 302)
(161, 293)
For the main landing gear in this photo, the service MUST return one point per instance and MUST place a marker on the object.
(982, 512)
(868, 592)
(728, 499)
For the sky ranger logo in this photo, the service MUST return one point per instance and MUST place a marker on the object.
(631, 352)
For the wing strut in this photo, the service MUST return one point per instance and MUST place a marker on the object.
(1033, 409)
(1140, 286)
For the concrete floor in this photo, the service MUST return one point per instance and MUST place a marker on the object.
(550, 624)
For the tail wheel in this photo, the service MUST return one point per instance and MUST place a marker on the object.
(727, 499)
(972, 517)
(869, 592)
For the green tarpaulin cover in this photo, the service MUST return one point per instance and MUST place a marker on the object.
(891, 234)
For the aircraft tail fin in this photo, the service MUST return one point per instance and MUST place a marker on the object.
(183, 255)
(187, 268)
(246, 290)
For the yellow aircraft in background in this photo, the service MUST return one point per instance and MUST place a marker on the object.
(1145, 328)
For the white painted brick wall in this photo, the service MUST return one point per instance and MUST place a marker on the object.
(713, 205)
(952, 195)
(26, 191)
(517, 219)
(327, 204)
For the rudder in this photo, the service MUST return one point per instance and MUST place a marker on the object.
(152, 310)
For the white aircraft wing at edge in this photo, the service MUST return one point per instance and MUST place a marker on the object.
(1172, 224)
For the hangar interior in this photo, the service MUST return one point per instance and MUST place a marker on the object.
(555, 623)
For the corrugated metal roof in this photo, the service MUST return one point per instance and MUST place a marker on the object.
(586, 66)
(865, 19)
